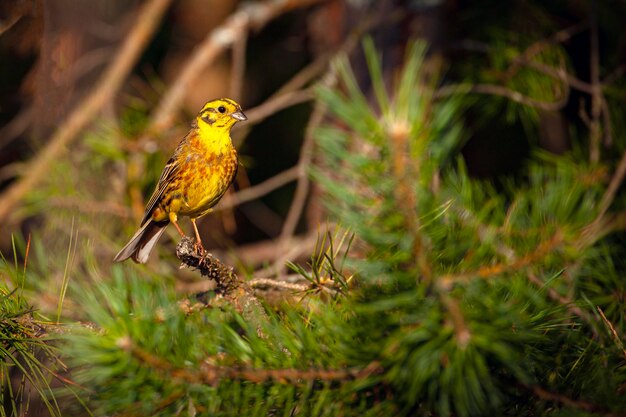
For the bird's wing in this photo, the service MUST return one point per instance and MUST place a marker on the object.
(169, 173)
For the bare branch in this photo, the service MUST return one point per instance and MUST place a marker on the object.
(614, 184)
(212, 374)
(273, 105)
(259, 190)
(148, 19)
(302, 188)
(260, 253)
(561, 36)
(571, 402)
(278, 284)
(16, 126)
(10, 22)
(228, 285)
(543, 248)
(248, 16)
(502, 91)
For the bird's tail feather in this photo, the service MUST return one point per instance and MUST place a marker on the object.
(141, 244)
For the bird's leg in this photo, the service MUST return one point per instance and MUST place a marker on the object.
(174, 221)
(199, 246)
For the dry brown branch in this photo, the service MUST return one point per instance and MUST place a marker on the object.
(614, 75)
(259, 253)
(11, 170)
(571, 402)
(226, 280)
(599, 104)
(543, 249)
(558, 37)
(524, 59)
(302, 187)
(273, 105)
(148, 19)
(614, 184)
(259, 190)
(608, 125)
(276, 284)
(461, 331)
(248, 16)
(288, 94)
(15, 127)
(212, 374)
(7, 24)
(559, 74)
(617, 222)
(305, 75)
(228, 285)
(502, 91)
(603, 223)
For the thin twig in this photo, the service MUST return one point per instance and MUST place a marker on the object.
(558, 73)
(260, 253)
(9, 23)
(277, 284)
(248, 16)
(534, 49)
(525, 57)
(608, 125)
(498, 90)
(211, 374)
(461, 331)
(273, 105)
(149, 17)
(544, 248)
(259, 190)
(614, 184)
(571, 402)
(16, 126)
(302, 186)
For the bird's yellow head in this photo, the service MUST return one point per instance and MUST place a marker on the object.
(219, 114)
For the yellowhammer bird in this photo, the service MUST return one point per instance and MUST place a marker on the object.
(194, 179)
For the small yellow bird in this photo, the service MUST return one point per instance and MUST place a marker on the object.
(194, 179)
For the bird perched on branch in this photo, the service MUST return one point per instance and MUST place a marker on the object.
(194, 179)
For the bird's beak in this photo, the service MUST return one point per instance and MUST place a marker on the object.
(238, 115)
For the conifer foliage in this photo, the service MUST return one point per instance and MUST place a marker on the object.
(463, 299)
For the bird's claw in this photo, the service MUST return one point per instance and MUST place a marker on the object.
(199, 248)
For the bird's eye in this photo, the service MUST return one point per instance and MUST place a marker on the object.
(221, 109)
